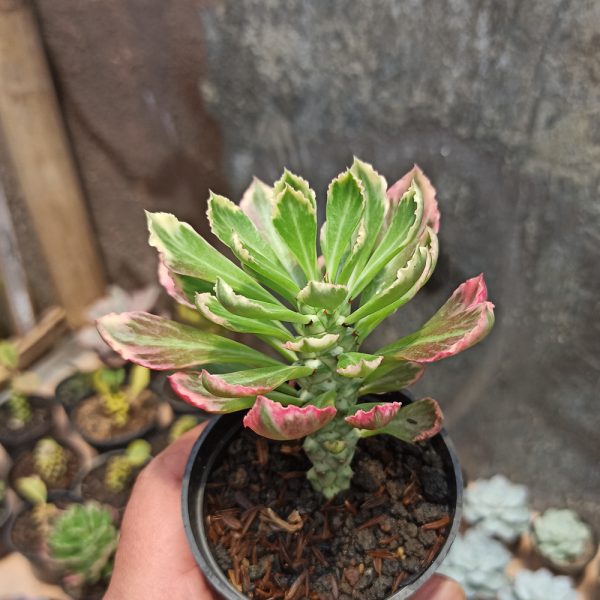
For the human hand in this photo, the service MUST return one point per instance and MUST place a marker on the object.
(154, 562)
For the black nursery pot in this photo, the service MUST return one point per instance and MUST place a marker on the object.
(43, 425)
(214, 441)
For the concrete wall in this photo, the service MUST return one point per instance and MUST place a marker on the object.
(499, 102)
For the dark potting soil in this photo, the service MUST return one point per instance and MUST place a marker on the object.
(93, 422)
(38, 425)
(93, 488)
(25, 466)
(273, 536)
(25, 535)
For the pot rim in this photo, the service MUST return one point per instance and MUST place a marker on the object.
(201, 550)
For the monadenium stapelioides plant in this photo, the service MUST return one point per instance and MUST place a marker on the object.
(378, 248)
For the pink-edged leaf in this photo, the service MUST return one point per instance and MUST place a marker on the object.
(182, 288)
(414, 422)
(465, 319)
(253, 381)
(188, 386)
(159, 343)
(431, 212)
(277, 422)
(167, 279)
(375, 417)
(392, 376)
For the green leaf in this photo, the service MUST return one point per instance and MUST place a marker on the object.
(365, 325)
(227, 219)
(391, 377)
(214, 311)
(357, 364)
(345, 206)
(296, 183)
(253, 381)
(465, 319)
(405, 281)
(233, 227)
(319, 294)
(158, 343)
(182, 288)
(376, 205)
(189, 386)
(187, 253)
(404, 226)
(257, 203)
(295, 219)
(264, 271)
(255, 309)
(414, 422)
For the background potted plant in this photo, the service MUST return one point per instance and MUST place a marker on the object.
(23, 417)
(118, 409)
(379, 248)
(563, 541)
(56, 464)
(83, 540)
(111, 476)
(31, 525)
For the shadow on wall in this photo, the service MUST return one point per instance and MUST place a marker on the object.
(498, 103)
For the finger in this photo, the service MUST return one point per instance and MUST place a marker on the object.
(170, 463)
(439, 587)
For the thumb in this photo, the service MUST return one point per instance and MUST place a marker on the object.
(439, 587)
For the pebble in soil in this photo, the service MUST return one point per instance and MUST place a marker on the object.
(273, 536)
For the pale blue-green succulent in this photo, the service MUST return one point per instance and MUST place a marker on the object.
(378, 248)
(478, 563)
(539, 585)
(497, 507)
(561, 536)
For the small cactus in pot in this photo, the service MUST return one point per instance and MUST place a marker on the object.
(83, 540)
(20, 409)
(120, 468)
(50, 460)
(379, 248)
(117, 398)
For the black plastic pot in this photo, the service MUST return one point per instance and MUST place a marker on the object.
(73, 389)
(212, 443)
(17, 442)
(5, 519)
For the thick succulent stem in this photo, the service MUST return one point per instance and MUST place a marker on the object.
(331, 450)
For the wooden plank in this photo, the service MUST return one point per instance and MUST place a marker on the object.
(39, 339)
(38, 147)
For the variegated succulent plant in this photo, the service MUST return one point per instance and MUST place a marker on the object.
(379, 247)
